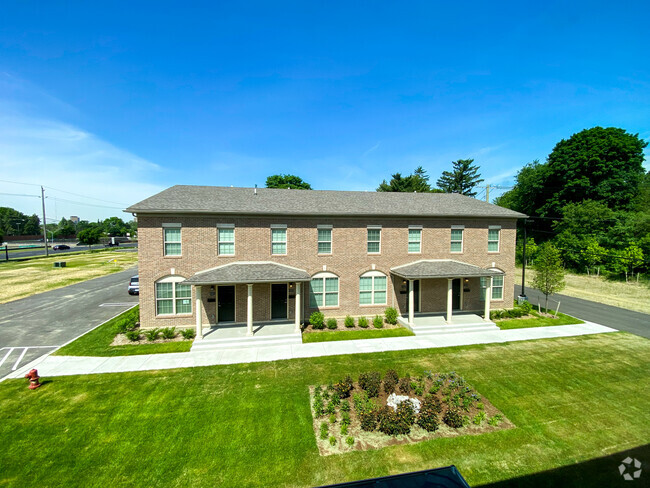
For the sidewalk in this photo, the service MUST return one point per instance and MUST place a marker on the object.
(49, 366)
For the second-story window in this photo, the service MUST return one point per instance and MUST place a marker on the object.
(324, 239)
(226, 236)
(278, 239)
(493, 238)
(172, 239)
(456, 238)
(374, 239)
(415, 239)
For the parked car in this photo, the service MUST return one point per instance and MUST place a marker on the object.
(61, 247)
(134, 285)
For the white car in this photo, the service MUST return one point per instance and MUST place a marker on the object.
(134, 285)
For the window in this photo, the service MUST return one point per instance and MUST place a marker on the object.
(324, 290)
(372, 288)
(172, 239)
(493, 238)
(415, 239)
(457, 238)
(497, 287)
(324, 239)
(278, 239)
(374, 239)
(226, 236)
(173, 297)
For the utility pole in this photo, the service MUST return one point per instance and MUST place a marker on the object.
(44, 221)
(487, 193)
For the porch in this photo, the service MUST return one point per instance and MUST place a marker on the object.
(235, 336)
(437, 323)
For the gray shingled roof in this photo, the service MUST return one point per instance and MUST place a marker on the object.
(248, 272)
(267, 201)
(440, 268)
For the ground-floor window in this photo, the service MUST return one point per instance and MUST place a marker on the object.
(324, 290)
(173, 297)
(497, 287)
(372, 288)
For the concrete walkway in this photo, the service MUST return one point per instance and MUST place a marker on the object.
(49, 366)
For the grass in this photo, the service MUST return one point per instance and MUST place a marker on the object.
(632, 296)
(21, 279)
(97, 342)
(537, 321)
(350, 335)
(573, 400)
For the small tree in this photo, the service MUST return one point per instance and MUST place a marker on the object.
(287, 181)
(593, 254)
(549, 278)
(89, 236)
(462, 179)
(632, 259)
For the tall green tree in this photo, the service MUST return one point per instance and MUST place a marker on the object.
(418, 182)
(33, 225)
(287, 181)
(549, 276)
(461, 179)
(114, 226)
(90, 235)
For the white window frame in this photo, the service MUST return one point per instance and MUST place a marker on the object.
(483, 286)
(419, 241)
(368, 241)
(498, 239)
(323, 276)
(174, 280)
(286, 244)
(166, 226)
(219, 241)
(318, 241)
(461, 228)
(373, 275)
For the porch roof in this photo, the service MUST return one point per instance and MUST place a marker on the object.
(248, 272)
(441, 268)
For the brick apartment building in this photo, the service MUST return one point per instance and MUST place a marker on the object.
(218, 255)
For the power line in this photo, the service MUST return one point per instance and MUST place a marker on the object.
(83, 203)
(20, 195)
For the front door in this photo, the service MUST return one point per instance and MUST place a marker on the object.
(455, 294)
(226, 304)
(416, 295)
(279, 301)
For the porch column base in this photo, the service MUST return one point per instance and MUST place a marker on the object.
(249, 312)
(488, 296)
(298, 308)
(450, 298)
(411, 303)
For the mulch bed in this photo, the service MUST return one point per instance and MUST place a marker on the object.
(309, 329)
(122, 340)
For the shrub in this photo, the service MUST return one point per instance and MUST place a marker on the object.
(169, 332)
(395, 422)
(331, 408)
(370, 383)
(344, 387)
(152, 334)
(331, 323)
(362, 403)
(368, 420)
(526, 307)
(332, 441)
(345, 418)
(363, 322)
(480, 405)
(332, 418)
(349, 441)
(453, 418)
(496, 420)
(345, 406)
(349, 321)
(344, 429)
(390, 381)
(391, 315)
(479, 418)
(428, 416)
(133, 335)
(336, 399)
(317, 320)
(405, 385)
(125, 325)
(319, 409)
(378, 322)
(324, 430)
(188, 334)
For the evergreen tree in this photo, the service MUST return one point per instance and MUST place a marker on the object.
(416, 182)
(462, 179)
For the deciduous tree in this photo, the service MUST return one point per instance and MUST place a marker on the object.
(287, 181)
(549, 276)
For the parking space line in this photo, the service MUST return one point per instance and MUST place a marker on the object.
(6, 356)
(19, 359)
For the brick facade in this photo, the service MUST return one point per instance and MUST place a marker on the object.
(348, 260)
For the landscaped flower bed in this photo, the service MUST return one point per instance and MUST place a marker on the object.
(318, 322)
(128, 332)
(376, 412)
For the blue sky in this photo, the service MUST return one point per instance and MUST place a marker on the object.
(114, 101)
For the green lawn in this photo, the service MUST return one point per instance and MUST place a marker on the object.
(349, 335)
(538, 321)
(572, 400)
(97, 342)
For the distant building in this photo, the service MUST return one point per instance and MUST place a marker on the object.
(74, 219)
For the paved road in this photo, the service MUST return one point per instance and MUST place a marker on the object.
(41, 251)
(37, 325)
(618, 318)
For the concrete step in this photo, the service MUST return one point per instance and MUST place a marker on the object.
(246, 342)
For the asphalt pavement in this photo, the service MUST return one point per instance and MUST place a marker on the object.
(618, 318)
(37, 325)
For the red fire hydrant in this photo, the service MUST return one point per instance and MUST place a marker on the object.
(33, 379)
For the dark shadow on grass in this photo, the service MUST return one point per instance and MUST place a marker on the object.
(599, 472)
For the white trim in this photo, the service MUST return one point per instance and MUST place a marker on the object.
(285, 242)
(331, 241)
(373, 275)
(498, 241)
(174, 280)
(249, 262)
(461, 228)
(322, 275)
(368, 241)
(234, 247)
(408, 239)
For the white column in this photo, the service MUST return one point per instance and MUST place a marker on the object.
(411, 302)
(450, 298)
(298, 303)
(199, 313)
(249, 312)
(488, 296)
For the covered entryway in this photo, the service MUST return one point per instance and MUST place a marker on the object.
(416, 295)
(283, 281)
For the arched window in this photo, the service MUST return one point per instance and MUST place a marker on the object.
(497, 286)
(173, 297)
(324, 290)
(372, 288)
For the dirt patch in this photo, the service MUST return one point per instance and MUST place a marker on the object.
(364, 440)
